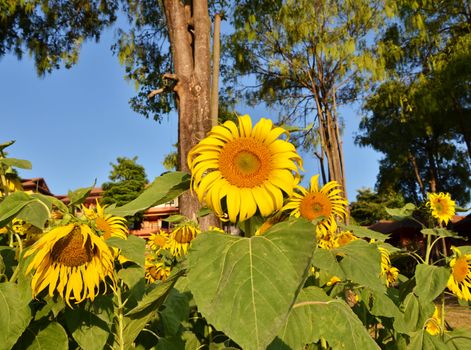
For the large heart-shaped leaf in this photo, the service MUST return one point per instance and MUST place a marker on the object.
(245, 287)
(431, 281)
(316, 315)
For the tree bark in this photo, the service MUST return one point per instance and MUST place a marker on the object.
(215, 77)
(189, 33)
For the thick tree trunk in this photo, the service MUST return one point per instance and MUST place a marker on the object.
(189, 34)
(215, 77)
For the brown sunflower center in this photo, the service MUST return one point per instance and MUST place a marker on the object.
(104, 226)
(460, 269)
(314, 205)
(183, 235)
(245, 162)
(70, 250)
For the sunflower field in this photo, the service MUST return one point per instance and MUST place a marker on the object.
(284, 270)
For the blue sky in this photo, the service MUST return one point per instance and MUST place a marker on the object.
(73, 123)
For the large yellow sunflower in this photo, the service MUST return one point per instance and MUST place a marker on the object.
(238, 170)
(71, 260)
(311, 204)
(460, 280)
(180, 238)
(110, 225)
(443, 207)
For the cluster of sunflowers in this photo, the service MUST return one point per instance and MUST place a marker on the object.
(165, 249)
(241, 172)
(244, 171)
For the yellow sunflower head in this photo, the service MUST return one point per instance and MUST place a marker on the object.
(460, 280)
(327, 240)
(388, 272)
(442, 206)
(156, 270)
(110, 225)
(432, 326)
(158, 240)
(314, 203)
(240, 169)
(71, 260)
(180, 238)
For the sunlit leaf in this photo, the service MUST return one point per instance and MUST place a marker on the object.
(15, 313)
(90, 323)
(132, 248)
(246, 286)
(163, 189)
(430, 281)
(17, 163)
(315, 315)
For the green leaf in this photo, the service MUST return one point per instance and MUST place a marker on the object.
(440, 232)
(402, 213)
(458, 339)
(422, 340)
(132, 248)
(203, 212)
(315, 315)
(465, 249)
(6, 144)
(131, 275)
(380, 304)
(90, 323)
(361, 263)
(50, 201)
(163, 189)
(53, 304)
(175, 218)
(9, 260)
(246, 286)
(363, 232)
(326, 260)
(416, 313)
(137, 318)
(176, 307)
(430, 281)
(17, 163)
(156, 296)
(11, 205)
(50, 336)
(35, 213)
(78, 196)
(15, 313)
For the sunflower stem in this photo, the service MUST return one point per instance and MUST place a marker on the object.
(442, 319)
(429, 249)
(120, 318)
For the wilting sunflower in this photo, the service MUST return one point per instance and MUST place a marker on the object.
(326, 202)
(110, 225)
(238, 170)
(460, 280)
(158, 240)
(181, 237)
(443, 207)
(71, 260)
(156, 270)
(433, 324)
(389, 272)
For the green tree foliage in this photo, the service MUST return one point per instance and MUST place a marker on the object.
(427, 100)
(306, 58)
(52, 31)
(127, 180)
(369, 206)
